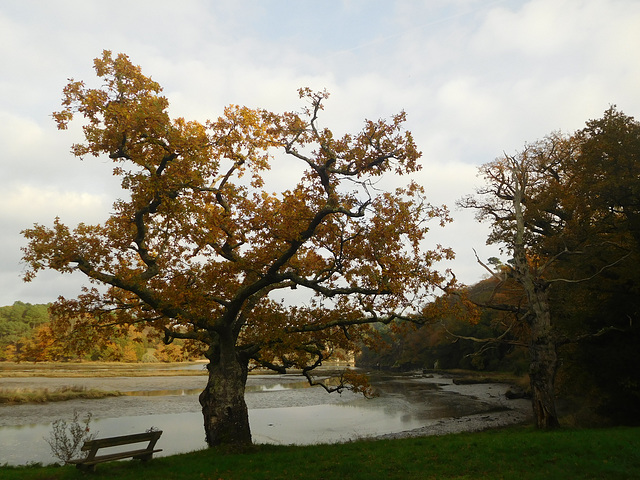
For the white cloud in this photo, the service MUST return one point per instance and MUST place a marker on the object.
(446, 183)
(552, 28)
(24, 205)
(28, 204)
(20, 135)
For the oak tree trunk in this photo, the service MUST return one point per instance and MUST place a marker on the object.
(226, 418)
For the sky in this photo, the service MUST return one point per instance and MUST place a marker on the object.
(476, 77)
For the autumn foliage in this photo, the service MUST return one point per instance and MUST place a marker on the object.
(206, 239)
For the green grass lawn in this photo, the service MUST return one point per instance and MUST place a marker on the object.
(515, 452)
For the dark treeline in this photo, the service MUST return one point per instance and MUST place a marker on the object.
(450, 342)
(599, 375)
(565, 308)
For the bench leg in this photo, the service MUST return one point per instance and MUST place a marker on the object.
(145, 457)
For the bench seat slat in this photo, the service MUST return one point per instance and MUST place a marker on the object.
(123, 440)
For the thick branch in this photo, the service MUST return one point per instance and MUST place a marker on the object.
(332, 291)
(342, 384)
(144, 294)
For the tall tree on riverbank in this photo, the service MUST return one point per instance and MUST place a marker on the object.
(565, 216)
(200, 248)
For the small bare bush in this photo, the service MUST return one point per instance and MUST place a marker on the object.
(66, 439)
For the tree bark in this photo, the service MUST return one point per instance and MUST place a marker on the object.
(226, 418)
(543, 357)
(542, 372)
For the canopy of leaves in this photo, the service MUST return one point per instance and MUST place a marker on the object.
(201, 246)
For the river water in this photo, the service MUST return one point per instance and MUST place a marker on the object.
(282, 410)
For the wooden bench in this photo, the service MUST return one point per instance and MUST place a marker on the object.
(144, 454)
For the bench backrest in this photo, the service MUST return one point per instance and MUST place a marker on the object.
(151, 437)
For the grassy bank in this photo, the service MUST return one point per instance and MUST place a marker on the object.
(517, 452)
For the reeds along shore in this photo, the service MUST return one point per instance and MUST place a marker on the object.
(42, 395)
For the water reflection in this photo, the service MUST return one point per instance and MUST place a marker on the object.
(28, 441)
(183, 432)
(276, 387)
(272, 387)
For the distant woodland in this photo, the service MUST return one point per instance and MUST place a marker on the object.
(26, 336)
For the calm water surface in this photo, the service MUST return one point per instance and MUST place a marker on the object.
(279, 413)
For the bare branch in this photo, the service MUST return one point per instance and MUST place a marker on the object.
(492, 272)
(565, 340)
(498, 339)
(567, 280)
(345, 323)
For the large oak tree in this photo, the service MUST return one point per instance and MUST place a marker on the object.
(199, 247)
